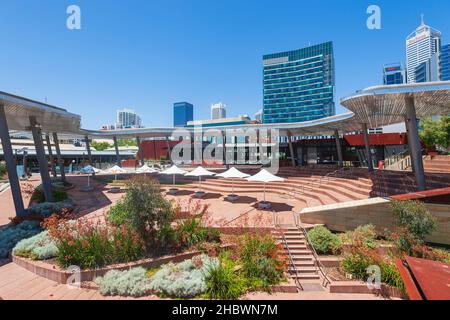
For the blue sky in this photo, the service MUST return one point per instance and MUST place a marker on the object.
(149, 54)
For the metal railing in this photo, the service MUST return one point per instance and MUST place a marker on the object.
(319, 266)
(292, 268)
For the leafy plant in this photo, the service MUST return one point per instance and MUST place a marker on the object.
(133, 282)
(38, 247)
(191, 232)
(262, 260)
(435, 133)
(185, 279)
(365, 235)
(12, 234)
(323, 240)
(118, 213)
(100, 146)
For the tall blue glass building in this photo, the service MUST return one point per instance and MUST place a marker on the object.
(394, 73)
(445, 62)
(299, 85)
(182, 113)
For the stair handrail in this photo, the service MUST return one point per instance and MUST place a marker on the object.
(319, 266)
(286, 246)
(319, 182)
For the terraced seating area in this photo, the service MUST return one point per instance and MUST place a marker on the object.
(322, 185)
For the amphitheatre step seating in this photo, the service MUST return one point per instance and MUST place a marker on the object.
(304, 267)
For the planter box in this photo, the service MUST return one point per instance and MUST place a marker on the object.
(362, 288)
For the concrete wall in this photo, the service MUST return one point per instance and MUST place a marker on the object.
(347, 216)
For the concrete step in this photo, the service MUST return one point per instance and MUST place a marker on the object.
(300, 276)
(308, 270)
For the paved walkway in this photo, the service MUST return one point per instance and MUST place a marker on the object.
(17, 283)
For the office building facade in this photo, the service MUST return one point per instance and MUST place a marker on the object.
(445, 63)
(127, 118)
(422, 46)
(183, 112)
(429, 70)
(394, 73)
(218, 111)
(299, 85)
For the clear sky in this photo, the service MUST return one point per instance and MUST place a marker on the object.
(149, 54)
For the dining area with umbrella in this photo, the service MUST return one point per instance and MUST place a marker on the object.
(173, 171)
(232, 174)
(200, 172)
(89, 171)
(265, 177)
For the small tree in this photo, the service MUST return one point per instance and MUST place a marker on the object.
(436, 132)
(100, 146)
(414, 223)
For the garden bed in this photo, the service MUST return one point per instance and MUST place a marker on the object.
(55, 273)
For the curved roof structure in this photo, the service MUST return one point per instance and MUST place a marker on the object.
(376, 106)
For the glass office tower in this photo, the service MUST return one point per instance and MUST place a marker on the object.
(299, 85)
(394, 73)
(445, 63)
(183, 112)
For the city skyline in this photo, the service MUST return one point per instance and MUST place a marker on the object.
(96, 84)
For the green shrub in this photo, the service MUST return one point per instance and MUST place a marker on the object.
(323, 240)
(46, 209)
(262, 260)
(365, 235)
(38, 247)
(11, 235)
(224, 281)
(356, 264)
(134, 283)
(2, 169)
(185, 279)
(58, 193)
(191, 232)
(390, 275)
(414, 217)
(119, 214)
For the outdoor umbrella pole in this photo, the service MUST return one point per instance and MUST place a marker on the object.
(264, 192)
(173, 181)
(232, 185)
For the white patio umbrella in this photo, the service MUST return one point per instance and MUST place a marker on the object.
(200, 172)
(232, 174)
(146, 169)
(88, 170)
(116, 170)
(173, 170)
(265, 176)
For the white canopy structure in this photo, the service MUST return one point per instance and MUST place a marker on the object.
(88, 170)
(115, 170)
(173, 170)
(232, 174)
(200, 172)
(146, 169)
(265, 177)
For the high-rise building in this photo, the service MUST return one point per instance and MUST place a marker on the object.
(445, 63)
(394, 73)
(299, 85)
(218, 111)
(183, 112)
(429, 70)
(127, 118)
(421, 46)
(258, 115)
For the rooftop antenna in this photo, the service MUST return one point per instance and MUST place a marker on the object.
(422, 19)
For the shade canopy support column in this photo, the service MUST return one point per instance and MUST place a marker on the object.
(50, 154)
(291, 149)
(338, 148)
(116, 146)
(415, 148)
(140, 152)
(224, 148)
(40, 155)
(88, 149)
(11, 164)
(367, 145)
(169, 153)
(58, 155)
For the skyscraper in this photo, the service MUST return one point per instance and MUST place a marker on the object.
(421, 45)
(218, 111)
(299, 85)
(182, 113)
(429, 70)
(394, 73)
(127, 118)
(445, 63)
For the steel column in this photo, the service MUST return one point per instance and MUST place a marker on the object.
(50, 154)
(116, 146)
(168, 150)
(11, 164)
(291, 149)
(415, 148)
(367, 144)
(140, 152)
(88, 149)
(339, 148)
(40, 155)
(58, 155)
